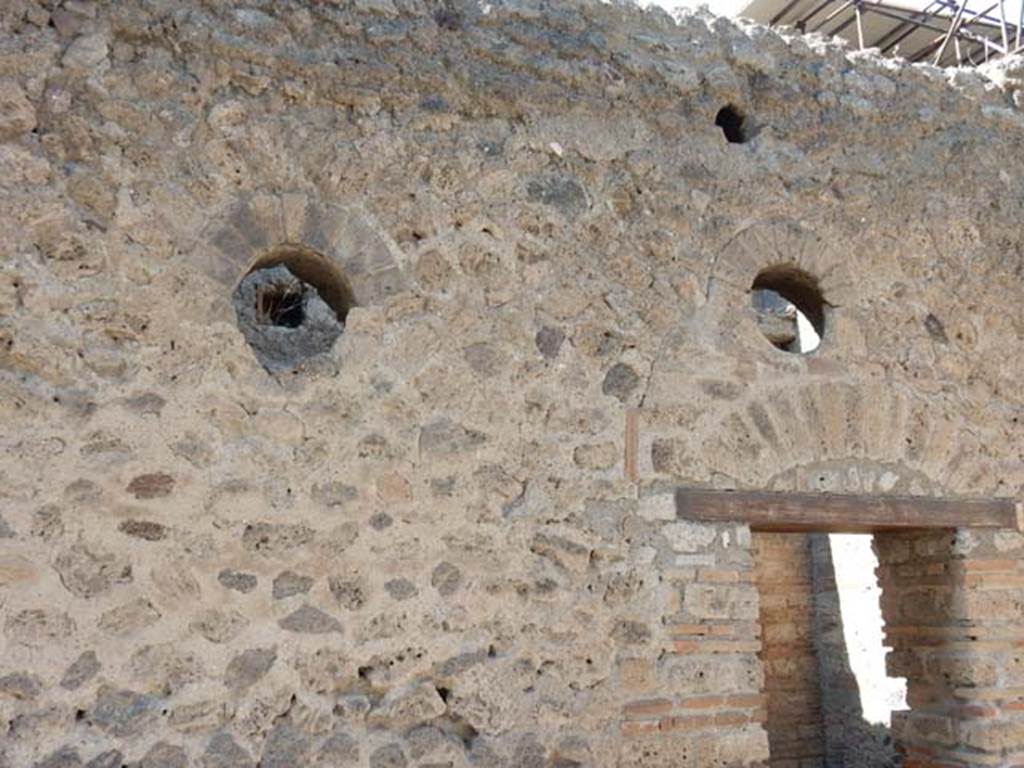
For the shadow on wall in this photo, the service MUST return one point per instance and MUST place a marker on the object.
(857, 697)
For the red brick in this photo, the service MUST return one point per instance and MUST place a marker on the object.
(646, 708)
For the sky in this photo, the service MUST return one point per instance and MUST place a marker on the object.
(723, 7)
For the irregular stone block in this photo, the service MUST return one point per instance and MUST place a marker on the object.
(86, 52)
(20, 686)
(273, 538)
(112, 758)
(39, 626)
(85, 573)
(289, 583)
(143, 529)
(200, 716)
(620, 381)
(350, 593)
(549, 341)
(81, 671)
(123, 713)
(285, 747)
(224, 752)
(446, 579)
(388, 756)
(65, 757)
(405, 707)
(400, 589)
(310, 621)
(219, 626)
(339, 750)
(445, 437)
(129, 618)
(333, 493)
(151, 486)
(17, 113)
(165, 668)
(238, 581)
(164, 755)
(248, 667)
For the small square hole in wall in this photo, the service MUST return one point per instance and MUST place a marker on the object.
(734, 125)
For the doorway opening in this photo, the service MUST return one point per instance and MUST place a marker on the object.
(950, 624)
(829, 697)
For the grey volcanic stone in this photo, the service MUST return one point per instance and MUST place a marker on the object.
(86, 573)
(549, 341)
(164, 755)
(112, 758)
(240, 582)
(143, 529)
(338, 750)
(620, 381)
(146, 403)
(285, 747)
(288, 583)
(562, 193)
(291, 326)
(349, 593)
(86, 52)
(18, 685)
(224, 752)
(123, 713)
(388, 756)
(529, 753)
(400, 589)
(446, 579)
(446, 437)
(65, 757)
(310, 621)
(218, 626)
(333, 493)
(273, 538)
(380, 521)
(248, 667)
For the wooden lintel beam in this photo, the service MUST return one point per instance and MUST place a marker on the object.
(835, 513)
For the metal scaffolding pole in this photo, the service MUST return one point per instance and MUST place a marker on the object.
(959, 34)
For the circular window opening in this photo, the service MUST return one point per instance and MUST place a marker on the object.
(291, 307)
(790, 308)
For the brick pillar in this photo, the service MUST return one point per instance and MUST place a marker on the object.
(783, 575)
(692, 693)
(952, 607)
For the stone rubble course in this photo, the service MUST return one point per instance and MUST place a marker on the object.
(441, 545)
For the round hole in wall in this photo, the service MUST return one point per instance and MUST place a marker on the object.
(291, 306)
(790, 308)
(733, 124)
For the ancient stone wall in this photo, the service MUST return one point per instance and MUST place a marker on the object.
(450, 539)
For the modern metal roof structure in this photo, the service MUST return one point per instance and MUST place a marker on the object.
(944, 32)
